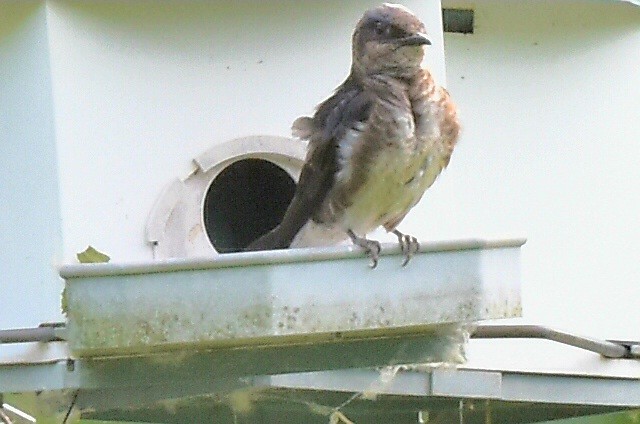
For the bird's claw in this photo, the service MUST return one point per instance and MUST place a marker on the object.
(409, 245)
(371, 247)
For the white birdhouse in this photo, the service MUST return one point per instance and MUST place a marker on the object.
(159, 133)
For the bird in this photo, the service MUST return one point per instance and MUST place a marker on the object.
(374, 146)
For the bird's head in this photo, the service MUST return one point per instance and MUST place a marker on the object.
(388, 39)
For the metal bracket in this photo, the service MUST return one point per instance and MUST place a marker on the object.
(46, 332)
(606, 348)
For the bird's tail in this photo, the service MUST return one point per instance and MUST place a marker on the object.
(273, 240)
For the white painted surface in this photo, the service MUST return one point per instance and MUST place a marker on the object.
(549, 96)
(30, 223)
(550, 101)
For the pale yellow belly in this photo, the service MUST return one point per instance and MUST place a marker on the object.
(395, 185)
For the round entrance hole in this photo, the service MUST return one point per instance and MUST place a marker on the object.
(247, 199)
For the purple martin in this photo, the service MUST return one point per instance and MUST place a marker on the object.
(374, 146)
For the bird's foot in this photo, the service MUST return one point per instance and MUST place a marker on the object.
(409, 245)
(371, 247)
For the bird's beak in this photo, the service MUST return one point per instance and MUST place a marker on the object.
(418, 39)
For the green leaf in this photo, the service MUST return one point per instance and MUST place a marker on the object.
(91, 256)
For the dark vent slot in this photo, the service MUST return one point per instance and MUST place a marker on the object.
(458, 20)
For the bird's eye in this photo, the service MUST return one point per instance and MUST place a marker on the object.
(379, 28)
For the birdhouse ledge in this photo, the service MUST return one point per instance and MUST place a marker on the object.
(288, 297)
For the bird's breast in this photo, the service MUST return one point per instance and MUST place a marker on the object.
(396, 181)
(386, 163)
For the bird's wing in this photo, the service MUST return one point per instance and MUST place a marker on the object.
(349, 106)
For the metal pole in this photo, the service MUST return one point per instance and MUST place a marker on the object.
(603, 347)
(36, 334)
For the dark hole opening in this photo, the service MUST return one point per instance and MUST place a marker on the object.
(458, 20)
(247, 199)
